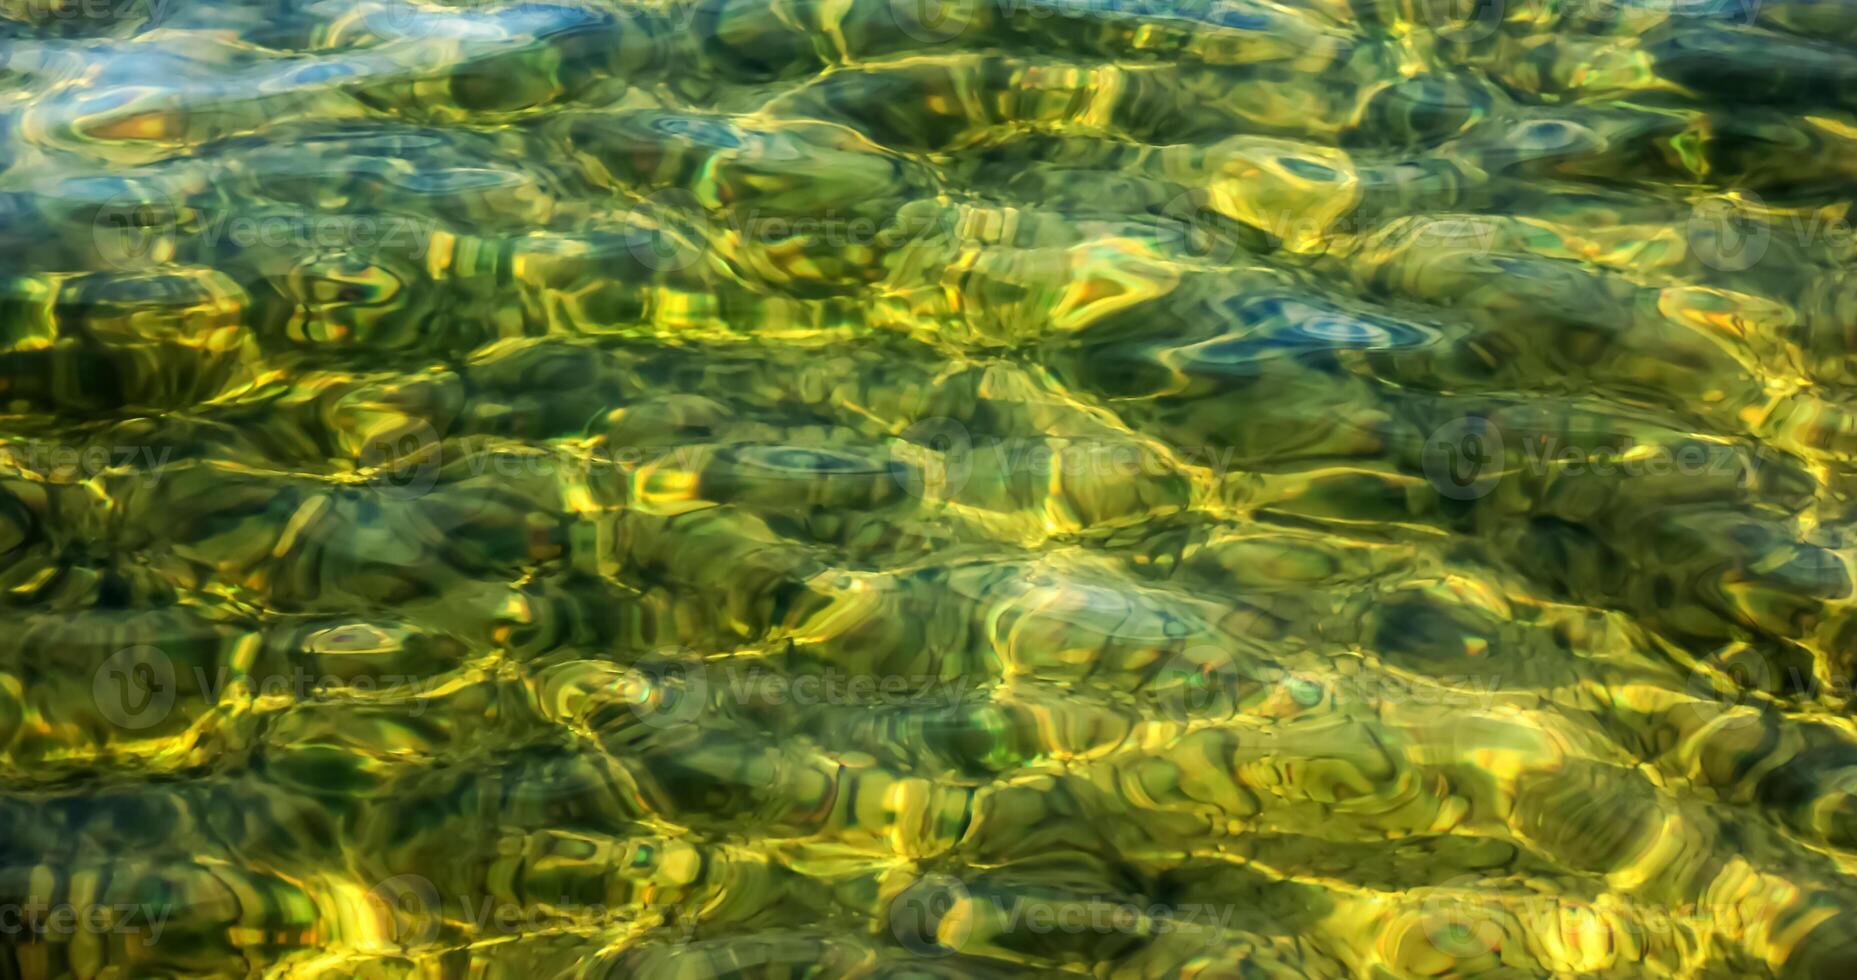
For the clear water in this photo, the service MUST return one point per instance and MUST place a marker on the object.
(978, 488)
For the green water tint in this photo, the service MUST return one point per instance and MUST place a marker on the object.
(871, 488)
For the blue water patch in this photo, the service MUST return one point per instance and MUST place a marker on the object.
(704, 131)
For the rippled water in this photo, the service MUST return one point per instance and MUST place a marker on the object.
(866, 488)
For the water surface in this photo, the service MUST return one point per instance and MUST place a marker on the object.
(1132, 488)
